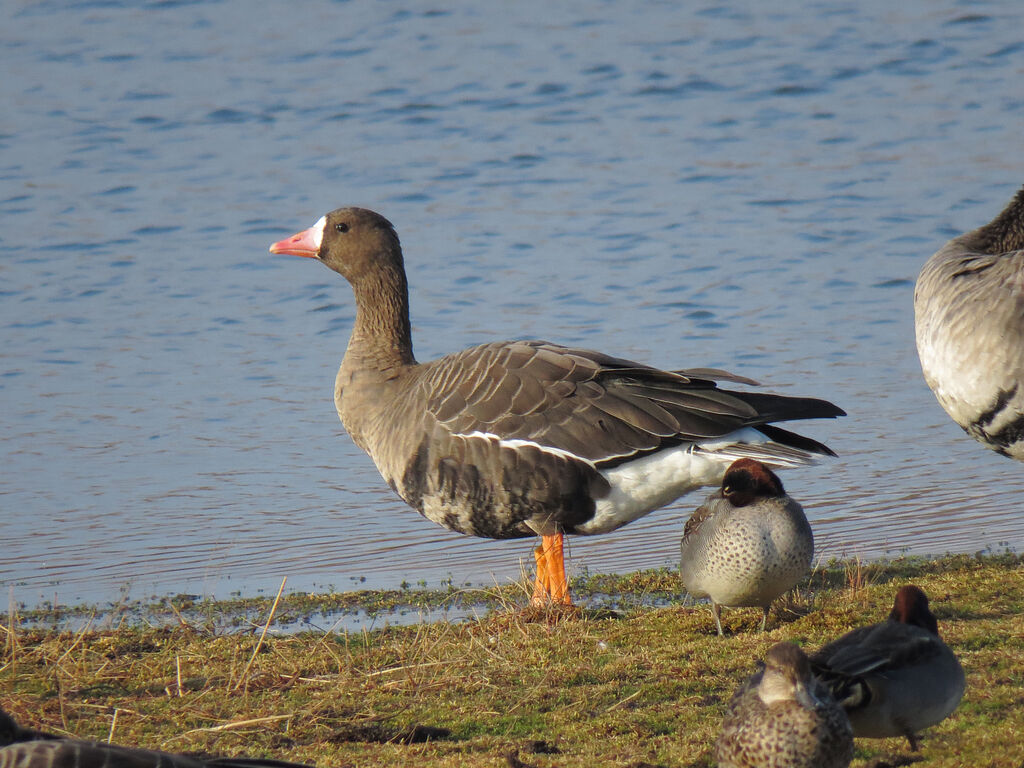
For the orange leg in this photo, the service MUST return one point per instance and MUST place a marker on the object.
(541, 590)
(551, 585)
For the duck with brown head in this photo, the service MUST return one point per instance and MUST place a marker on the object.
(747, 544)
(525, 438)
(895, 678)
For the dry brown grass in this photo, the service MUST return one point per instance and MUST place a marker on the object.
(566, 688)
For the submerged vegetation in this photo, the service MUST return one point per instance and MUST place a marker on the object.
(637, 678)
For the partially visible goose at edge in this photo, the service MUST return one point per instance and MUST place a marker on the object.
(525, 438)
(25, 748)
(969, 313)
(782, 717)
(749, 543)
(895, 678)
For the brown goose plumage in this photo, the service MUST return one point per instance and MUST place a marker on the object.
(26, 748)
(521, 438)
(969, 324)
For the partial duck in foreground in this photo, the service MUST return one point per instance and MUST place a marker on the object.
(25, 748)
(525, 438)
(969, 320)
(747, 544)
(782, 717)
(895, 678)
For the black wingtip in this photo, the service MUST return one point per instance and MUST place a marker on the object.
(793, 440)
(772, 407)
(822, 409)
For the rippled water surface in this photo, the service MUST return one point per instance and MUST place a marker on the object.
(751, 186)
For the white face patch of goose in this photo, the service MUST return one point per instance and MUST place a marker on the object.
(318, 231)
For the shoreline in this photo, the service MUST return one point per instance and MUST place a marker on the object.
(295, 610)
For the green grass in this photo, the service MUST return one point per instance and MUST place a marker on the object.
(646, 685)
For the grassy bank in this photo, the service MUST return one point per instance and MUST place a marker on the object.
(645, 685)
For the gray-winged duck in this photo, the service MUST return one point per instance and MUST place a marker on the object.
(782, 717)
(747, 544)
(969, 319)
(25, 748)
(897, 677)
(525, 438)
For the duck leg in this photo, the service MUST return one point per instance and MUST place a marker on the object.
(912, 740)
(764, 619)
(716, 611)
(551, 586)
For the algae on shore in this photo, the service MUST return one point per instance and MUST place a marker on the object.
(646, 685)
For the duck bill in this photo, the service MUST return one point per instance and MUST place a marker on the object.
(806, 698)
(305, 243)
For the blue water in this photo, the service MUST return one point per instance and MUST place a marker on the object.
(751, 186)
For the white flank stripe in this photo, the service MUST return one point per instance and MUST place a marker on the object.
(516, 443)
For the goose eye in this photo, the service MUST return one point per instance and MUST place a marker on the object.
(341, 226)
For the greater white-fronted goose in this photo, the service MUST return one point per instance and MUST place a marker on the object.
(520, 438)
(895, 678)
(747, 544)
(26, 748)
(969, 318)
(782, 717)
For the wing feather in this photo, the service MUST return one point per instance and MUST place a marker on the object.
(597, 407)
